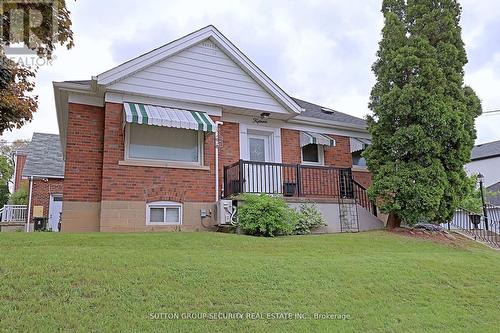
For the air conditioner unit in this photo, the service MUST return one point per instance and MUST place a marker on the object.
(225, 212)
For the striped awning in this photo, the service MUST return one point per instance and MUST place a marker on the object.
(307, 138)
(137, 113)
(358, 144)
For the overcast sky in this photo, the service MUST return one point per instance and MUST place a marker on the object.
(317, 50)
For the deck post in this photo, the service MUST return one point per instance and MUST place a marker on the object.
(224, 182)
(241, 177)
(299, 185)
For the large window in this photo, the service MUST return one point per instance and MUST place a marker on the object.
(164, 213)
(312, 154)
(164, 144)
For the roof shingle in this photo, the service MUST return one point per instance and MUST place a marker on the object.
(485, 150)
(44, 157)
(315, 111)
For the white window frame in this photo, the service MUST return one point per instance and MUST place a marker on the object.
(163, 204)
(146, 160)
(321, 157)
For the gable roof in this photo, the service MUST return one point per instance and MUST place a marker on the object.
(486, 150)
(316, 111)
(44, 157)
(209, 32)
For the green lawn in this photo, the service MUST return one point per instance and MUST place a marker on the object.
(118, 282)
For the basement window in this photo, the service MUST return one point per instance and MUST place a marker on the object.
(164, 213)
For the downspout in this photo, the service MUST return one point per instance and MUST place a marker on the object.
(217, 123)
(28, 213)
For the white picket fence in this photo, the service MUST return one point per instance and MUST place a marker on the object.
(13, 213)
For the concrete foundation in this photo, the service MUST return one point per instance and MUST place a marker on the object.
(130, 216)
(80, 216)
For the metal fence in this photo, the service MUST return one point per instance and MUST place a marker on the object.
(484, 227)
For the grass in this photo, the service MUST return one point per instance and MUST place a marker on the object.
(119, 282)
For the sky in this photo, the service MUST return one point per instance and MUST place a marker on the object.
(317, 50)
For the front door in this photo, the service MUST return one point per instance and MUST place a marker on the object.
(259, 174)
(258, 148)
(55, 209)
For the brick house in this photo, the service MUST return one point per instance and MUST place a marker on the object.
(155, 143)
(40, 169)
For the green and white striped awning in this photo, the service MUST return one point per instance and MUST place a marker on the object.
(307, 138)
(137, 113)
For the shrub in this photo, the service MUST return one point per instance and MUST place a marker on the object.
(309, 218)
(265, 215)
(20, 197)
(471, 200)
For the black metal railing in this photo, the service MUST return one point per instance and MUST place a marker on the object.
(481, 227)
(294, 180)
(361, 196)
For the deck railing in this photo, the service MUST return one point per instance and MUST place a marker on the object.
(14, 213)
(293, 180)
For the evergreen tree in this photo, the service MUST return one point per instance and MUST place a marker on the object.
(423, 115)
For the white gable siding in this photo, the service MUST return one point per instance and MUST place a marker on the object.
(204, 74)
(488, 167)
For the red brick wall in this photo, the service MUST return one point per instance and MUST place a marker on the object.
(363, 177)
(290, 146)
(229, 151)
(316, 180)
(20, 162)
(138, 183)
(95, 146)
(84, 151)
(42, 191)
(338, 156)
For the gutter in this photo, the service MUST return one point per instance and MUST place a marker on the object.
(330, 123)
(484, 157)
(217, 194)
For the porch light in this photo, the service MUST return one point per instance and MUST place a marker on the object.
(264, 115)
(480, 177)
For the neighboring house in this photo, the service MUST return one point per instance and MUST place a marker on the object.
(156, 142)
(485, 159)
(44, 171)
(493, 194)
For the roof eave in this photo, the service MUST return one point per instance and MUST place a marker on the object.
(484, 157)
(329, 123)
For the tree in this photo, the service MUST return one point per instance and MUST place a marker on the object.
(9, 149)
(17, 103)
(6, 171)
(423, 115)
